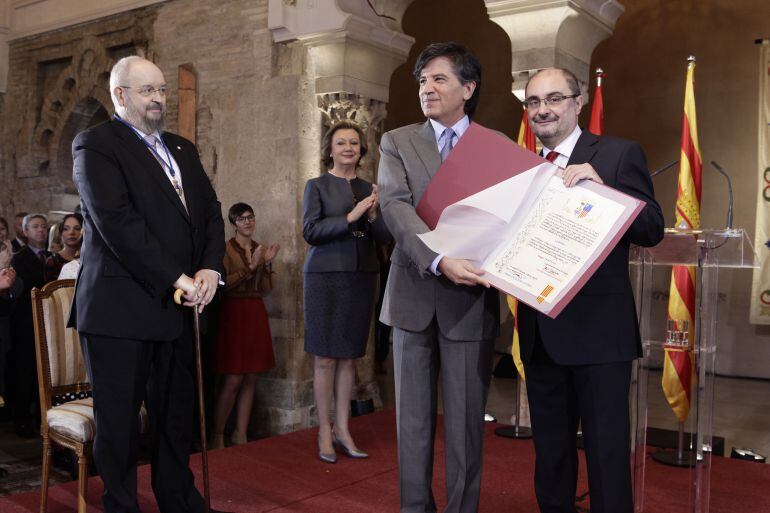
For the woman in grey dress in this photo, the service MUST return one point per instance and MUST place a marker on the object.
(341, 222)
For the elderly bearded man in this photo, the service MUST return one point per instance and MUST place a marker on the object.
(152, 224)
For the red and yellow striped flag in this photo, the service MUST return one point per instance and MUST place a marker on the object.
(526, 140)
(678, 362)
(596, 125)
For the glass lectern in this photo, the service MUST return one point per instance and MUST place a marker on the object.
(707, 251)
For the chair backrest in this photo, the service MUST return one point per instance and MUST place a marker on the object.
(60, 366)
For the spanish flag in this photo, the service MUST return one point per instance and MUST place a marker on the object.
(596, 125)
(526, 140)
(679, 362)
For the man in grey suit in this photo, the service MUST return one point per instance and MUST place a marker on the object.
(442, 310)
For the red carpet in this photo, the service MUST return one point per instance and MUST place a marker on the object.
(282, 474)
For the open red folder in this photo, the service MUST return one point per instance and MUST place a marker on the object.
(506, 209)
(481, 159)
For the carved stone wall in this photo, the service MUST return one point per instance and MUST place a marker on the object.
(57, 87)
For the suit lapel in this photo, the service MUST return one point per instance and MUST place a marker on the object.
(584, 149)
(424, 142)
(187, 183)
(149, 164)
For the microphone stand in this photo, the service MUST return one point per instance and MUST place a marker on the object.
(729, 222)
(664, 168)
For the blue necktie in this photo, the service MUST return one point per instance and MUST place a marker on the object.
(448, 135)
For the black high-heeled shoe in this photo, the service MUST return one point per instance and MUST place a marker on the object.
(324, 456)
(350, 453)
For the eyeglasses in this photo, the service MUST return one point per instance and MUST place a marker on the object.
(148, 91)
(244, 219)
(551, 101)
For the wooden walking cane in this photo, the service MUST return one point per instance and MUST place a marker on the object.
(201, 404)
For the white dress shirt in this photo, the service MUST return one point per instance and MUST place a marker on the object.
(565, 148)
(159, 147)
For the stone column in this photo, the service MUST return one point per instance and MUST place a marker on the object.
(349, 50)
(5, 26)
(545, 33)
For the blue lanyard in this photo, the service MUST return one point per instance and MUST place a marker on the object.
(167, 161)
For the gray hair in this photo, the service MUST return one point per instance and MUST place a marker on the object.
(28, 219)
(119, 74)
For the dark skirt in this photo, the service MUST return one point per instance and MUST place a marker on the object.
(338, 313)
(244, 342)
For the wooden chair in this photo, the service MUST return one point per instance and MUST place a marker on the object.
(62, 375)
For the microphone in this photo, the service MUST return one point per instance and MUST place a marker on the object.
(729, 192)
(664, 168)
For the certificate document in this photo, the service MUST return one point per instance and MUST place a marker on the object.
(555, 243)
(536, 239)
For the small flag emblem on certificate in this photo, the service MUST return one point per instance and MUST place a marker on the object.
(583, 209)
(544, 293)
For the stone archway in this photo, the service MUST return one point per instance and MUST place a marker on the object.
(80, 89)
(85, 113)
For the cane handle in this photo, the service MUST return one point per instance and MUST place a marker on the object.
(178, 293)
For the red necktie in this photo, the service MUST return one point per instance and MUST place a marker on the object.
(552, 155)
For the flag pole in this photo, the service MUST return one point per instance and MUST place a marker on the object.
(679, 360)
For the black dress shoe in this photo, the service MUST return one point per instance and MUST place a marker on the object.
(3, 472)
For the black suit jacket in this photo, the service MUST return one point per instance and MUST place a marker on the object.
(138, 237)
(600, 324)
(32, 273)
(327, 201)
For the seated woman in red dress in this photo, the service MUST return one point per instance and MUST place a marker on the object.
(244, 343)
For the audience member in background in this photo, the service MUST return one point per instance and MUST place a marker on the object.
(244, 344)
(20, 239)
(341, 221)
(5, 232)
(10, 288)
(33, 264)
(71, 240)
(54, 239)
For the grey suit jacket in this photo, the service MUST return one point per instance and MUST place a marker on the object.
(333, 247)
(409, 158)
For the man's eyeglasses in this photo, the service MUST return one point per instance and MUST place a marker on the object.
(148, 91)
(244, 219)
(551, 101)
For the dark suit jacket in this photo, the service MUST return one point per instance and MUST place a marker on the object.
(327, 201)
(33, 273)
(600, 325)
(8, 301)
(138, 238)
(414, 296)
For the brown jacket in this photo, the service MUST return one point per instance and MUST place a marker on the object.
(241, 281)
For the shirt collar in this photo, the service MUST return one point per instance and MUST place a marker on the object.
(37, 251)
(459, 128)
(567, 146)
(141, 134)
